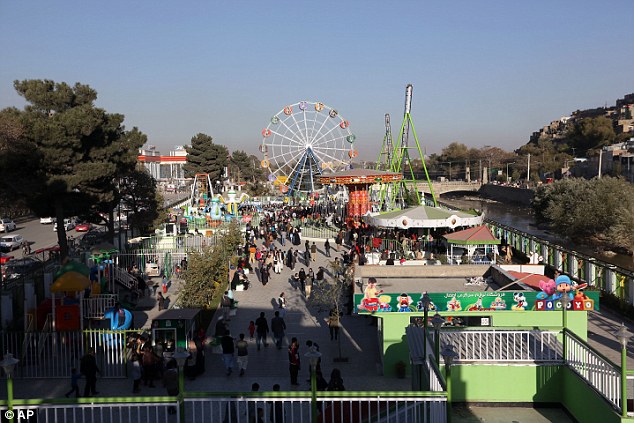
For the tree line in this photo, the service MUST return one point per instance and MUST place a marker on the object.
(62, 156)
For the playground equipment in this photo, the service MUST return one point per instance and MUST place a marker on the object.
(301, 141)
(72, 280)
(120, 318)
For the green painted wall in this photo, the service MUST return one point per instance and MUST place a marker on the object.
(584, 403)
(395, 347)
(484, 383)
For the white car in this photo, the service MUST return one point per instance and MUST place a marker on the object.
(152, 269)
(68, 225)
(11, 242)
(7, 225)
(47, 220)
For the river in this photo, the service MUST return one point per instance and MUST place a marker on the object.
(521, 218)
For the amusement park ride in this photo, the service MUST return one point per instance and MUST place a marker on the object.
(308, 146)
(205, 205)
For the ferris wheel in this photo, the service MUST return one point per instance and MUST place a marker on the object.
(303, 140)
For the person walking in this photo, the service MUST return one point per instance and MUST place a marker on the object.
(308, 286)
(333, 324)
(149, 361)
(293, 361)
(261, 330)
(302, 279)
(243, 354)
(276, 408)
(170, 382)
(136, 373)
(227, 351)
(264, 275)
(281, 302)
(74, 383)
(336, 381)
(225, 302)
(327, 247)
(88, 368)
(313, 251)
(160, 300)
(278, 326)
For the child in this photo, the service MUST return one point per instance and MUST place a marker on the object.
(251, 328)
(74, 383)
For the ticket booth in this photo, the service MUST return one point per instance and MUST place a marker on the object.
(176, 325)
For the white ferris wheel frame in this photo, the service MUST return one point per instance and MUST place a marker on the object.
(306, 129)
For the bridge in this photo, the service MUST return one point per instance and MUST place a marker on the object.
(448, 186)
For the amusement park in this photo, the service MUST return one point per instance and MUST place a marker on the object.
(365, 276)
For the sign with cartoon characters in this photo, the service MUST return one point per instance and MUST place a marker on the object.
(375, 300)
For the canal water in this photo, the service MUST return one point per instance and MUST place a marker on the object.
(522, 218)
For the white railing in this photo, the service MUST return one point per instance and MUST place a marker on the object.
(147, 412)
(54, 354)
(124, 278)
(603, 375)
(332, 409)
(529, 346)
(436, 380)
(95, 306)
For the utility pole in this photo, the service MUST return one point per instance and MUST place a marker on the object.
(528, 171)
(600, 160)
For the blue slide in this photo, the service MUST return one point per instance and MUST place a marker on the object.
(112, 314)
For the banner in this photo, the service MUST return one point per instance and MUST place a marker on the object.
(375, 301)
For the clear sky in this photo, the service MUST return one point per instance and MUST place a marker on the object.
(484, 72)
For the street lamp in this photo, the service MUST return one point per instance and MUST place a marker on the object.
(437, 321)
(181, 357)
(448, 356)
(623, 336)
(507, 171)
(426, 303)
(565, 300)
(8, 365)
(313, 358)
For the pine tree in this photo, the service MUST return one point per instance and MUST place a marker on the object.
(203, 156)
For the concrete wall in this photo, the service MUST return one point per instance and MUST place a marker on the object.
(397, 271)
(506, 194)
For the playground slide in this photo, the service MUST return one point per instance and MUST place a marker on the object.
(114, 319)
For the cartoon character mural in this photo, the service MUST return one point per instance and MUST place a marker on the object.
(421, 307)
(520, 301)
(498, 304)
(370, 300)
(548, 289)
(454, 304)
(404, 303)
(477, 306)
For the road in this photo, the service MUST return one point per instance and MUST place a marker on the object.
(38, 235)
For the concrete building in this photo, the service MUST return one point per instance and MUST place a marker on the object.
(164, 168)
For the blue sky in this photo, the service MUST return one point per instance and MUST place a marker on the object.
(484, 72)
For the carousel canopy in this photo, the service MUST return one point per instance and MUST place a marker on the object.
(424, 217)
(479, 235)
(359, 176)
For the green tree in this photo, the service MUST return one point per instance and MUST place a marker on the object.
(140, 196)
(245, 168)
(208, 271)
(18, 161)
(596, 211)
(80, 150)
(203, 156)
(590, 133)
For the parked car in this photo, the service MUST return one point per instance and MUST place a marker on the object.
(7, 225)
(152, 269)
(68, 225)
(19, 267)
(11, 242)
(47, 220)
(83, 226)
(5, 258)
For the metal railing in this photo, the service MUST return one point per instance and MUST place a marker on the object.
(53, 354)
(597, 370)
(99, 410)
(124, 278)
(95, 306)
(529, 346)
(333, 407)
